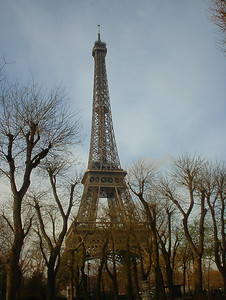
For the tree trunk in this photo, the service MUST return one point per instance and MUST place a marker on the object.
(198, 276)
(85, 286)
(169, 271)
(13, 274)
(221, 267)
(224, 280)
(169, 276)
(159, 282)
(71, 274)
(13, 268)
(197, 253)
(184, 276)
(115, 288)
(51, 288)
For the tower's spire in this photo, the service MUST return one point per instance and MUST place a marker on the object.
(98, 32)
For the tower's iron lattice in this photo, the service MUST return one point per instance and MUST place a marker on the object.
(104, 178)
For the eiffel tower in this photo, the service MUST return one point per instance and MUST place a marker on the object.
(104, 179)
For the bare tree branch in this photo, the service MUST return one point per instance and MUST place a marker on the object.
(8, 222)
(217, 12)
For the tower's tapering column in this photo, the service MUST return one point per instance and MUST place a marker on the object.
(103, 151)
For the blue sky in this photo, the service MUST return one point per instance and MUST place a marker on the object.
(166, 77)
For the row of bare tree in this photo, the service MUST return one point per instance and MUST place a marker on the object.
(191, 194)
(36, 130)
(181, 228)
(37, 133)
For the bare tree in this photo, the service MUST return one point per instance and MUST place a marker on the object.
(27, 256)
(58, 221)
(141, 178)
(214, 185)
(217, 11)
(168, 242)
(183, 190)
(33, 124)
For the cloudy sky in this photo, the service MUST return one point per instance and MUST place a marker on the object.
(166, 77)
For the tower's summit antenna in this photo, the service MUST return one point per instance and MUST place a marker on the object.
(98, 32)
